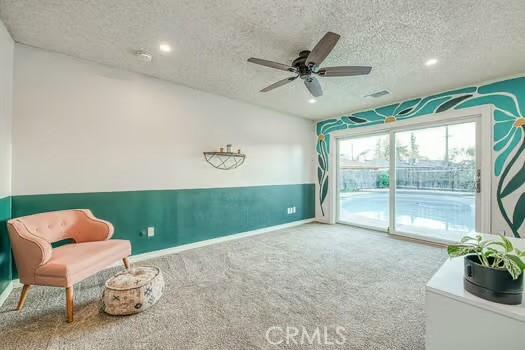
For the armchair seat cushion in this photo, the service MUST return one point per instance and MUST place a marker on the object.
(72, 263)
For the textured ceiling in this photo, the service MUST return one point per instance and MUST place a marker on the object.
(474, 40)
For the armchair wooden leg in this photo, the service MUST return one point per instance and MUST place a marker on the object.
(126, 263)
(23, 296)
(70, 305)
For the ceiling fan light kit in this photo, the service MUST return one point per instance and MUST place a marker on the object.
(307, 66)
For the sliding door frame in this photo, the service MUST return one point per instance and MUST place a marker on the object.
(337, 192)
(482, 116)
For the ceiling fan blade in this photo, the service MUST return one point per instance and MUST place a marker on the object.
(322, 49)
(272, 64)
(278, 84)
(312, 84)
(344, 71)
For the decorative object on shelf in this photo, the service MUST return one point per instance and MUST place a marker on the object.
(225, 160)
(493, 268)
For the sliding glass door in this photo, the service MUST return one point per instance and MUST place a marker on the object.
(364, 181)
(434, 191)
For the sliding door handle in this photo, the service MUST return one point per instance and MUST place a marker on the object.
(478, 180)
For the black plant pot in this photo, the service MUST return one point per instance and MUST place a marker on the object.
(492, 284)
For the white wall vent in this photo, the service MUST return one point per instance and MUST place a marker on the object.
(377, 94)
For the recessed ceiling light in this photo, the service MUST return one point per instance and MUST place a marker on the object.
(431, 62)
(164, 47)
(312, 100)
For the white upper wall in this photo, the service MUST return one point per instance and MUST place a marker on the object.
(85, 127)
(474, 41)
(6, 96)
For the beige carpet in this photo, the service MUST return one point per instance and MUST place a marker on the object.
(227, 296)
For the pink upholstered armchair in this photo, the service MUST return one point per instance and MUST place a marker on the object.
(40, 264)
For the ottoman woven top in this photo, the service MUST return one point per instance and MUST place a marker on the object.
(133, 291)
(134, 278)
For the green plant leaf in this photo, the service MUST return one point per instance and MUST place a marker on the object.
(466, 239)
(517, 260)
(515, 182)
(493, 243)
(519, 213)
(514, 268)
(492, 252)
(507, 244)
(461, 250)
(487, 243)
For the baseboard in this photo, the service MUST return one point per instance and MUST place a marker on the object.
(322, 220)
(158, 253)
(180, 248)
(5, 293)
(17, 284)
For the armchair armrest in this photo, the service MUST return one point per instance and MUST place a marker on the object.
(92, 229)
(35, 249)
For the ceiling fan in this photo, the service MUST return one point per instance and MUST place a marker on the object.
(306, 66)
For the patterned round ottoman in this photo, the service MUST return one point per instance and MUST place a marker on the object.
(133, 291)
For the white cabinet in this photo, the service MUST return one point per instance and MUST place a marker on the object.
(458, 320)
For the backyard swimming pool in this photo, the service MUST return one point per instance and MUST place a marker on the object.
(432, 210)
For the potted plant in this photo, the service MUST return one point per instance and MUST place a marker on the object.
(493, 268)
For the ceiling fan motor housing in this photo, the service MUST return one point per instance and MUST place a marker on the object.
(300, 63)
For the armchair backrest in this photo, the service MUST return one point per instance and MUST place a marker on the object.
(31, 236)
(52, 226)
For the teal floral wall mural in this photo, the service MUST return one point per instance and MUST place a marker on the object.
(508, 99)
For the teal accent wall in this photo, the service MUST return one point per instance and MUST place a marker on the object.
(508, 99)
(5, 246)
(182, 216)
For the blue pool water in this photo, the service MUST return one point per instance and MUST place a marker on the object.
(443, 211)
